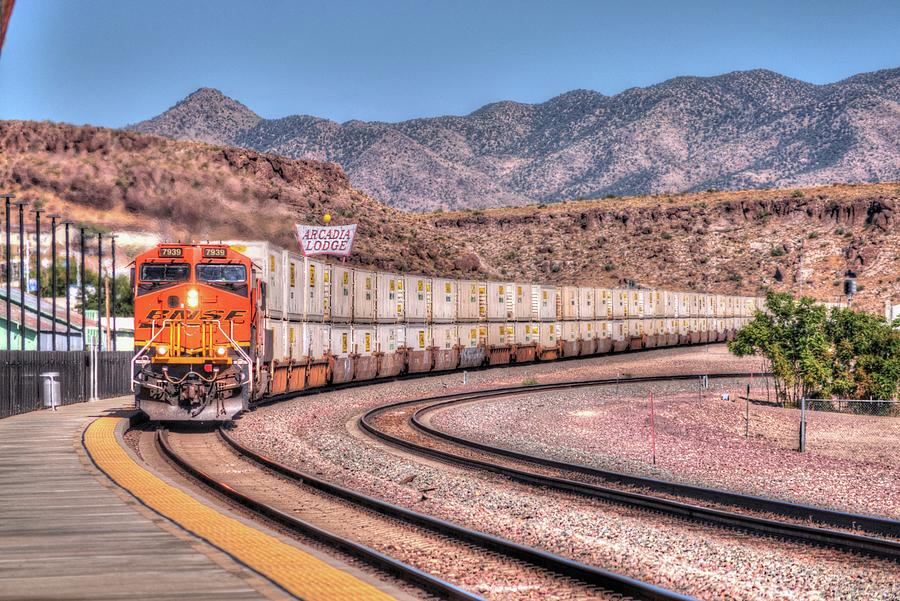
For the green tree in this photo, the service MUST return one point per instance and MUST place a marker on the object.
(791, 336)
(814, 352)
(866, 357)
(124, 306)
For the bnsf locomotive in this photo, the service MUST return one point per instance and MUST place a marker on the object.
(219, 326)
(197, 311)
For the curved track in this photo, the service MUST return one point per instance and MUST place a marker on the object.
(404, 424)
(359, 525)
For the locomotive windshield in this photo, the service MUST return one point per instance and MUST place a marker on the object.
(154, 276)
(218, 273)
(228, 276)
(165, 272)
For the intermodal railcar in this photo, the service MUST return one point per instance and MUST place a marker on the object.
(221, 326)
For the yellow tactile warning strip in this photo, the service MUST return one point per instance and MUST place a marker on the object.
(296, 571)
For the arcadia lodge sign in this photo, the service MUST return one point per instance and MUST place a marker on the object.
(325, 240)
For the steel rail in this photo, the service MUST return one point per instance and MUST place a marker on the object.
(590, 575)
(375, 558)
(803, 533)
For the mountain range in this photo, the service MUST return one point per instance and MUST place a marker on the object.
(746, 129)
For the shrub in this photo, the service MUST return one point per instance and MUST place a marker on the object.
(812, 351)
(778, 251)
(813, 235)
(609, 267)
(797, 194)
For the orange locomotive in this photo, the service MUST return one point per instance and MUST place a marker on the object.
(197, 332)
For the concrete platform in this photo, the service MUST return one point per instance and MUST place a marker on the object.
(67, 533)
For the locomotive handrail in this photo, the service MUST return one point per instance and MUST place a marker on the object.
(240, 351)
(145, 347)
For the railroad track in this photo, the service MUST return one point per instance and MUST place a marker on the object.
(405, 424)
(388, 536)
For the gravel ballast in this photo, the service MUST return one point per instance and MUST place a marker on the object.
(316, 433)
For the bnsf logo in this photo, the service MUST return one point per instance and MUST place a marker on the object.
(186, 315)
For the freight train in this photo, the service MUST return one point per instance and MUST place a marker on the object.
(219, 327)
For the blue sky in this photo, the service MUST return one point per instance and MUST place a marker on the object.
(115, 62)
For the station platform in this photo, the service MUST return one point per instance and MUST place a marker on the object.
(71, 531)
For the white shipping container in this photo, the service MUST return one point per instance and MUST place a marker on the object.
(620, 303)
(341, 340)
(523, 309)
(446, 335)
(341, 294)
(681, 304)
(548, 333)
(587, 330)
(569, 302)
(547, 300)
(315, 339)
(586, 303)
(389, 297)
(364, 340)
(314, 284)
(471, 300)
(389, 338)
(654, 304)
(472, 335)
(418, 298)
(526, 333)
(499, 301)
(603, 298)
(634, 327)
(444, 294)
(669, 304)
(363, 296)
(603, 328)
(500, 334)
(636, 303)
(280, 350)
(570, 331)
(418, 336)
(292, 268)
(269, 261)
(619, 329)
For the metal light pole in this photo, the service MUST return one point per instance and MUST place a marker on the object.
(83, 297)
(37, 305)
(53, 219)
(8, 198)
(67, 223)
(21, 204)
(100, 291)
(112, 299)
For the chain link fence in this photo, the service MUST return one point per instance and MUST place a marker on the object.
(851, 428)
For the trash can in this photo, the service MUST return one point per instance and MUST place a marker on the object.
(50, 390)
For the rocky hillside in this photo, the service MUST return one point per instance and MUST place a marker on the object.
(729, 241)
(140, 184)
(801, 240)
(752, 129)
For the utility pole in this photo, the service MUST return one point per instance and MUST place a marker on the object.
(100, 289)
(8, 198)
(83, 297)
(37, 236)
(53, 219)
(112, 239)
(67, 223)
(21, 205)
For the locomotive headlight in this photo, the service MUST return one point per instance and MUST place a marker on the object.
(162, 349)
(193, 298)
(220, 351)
